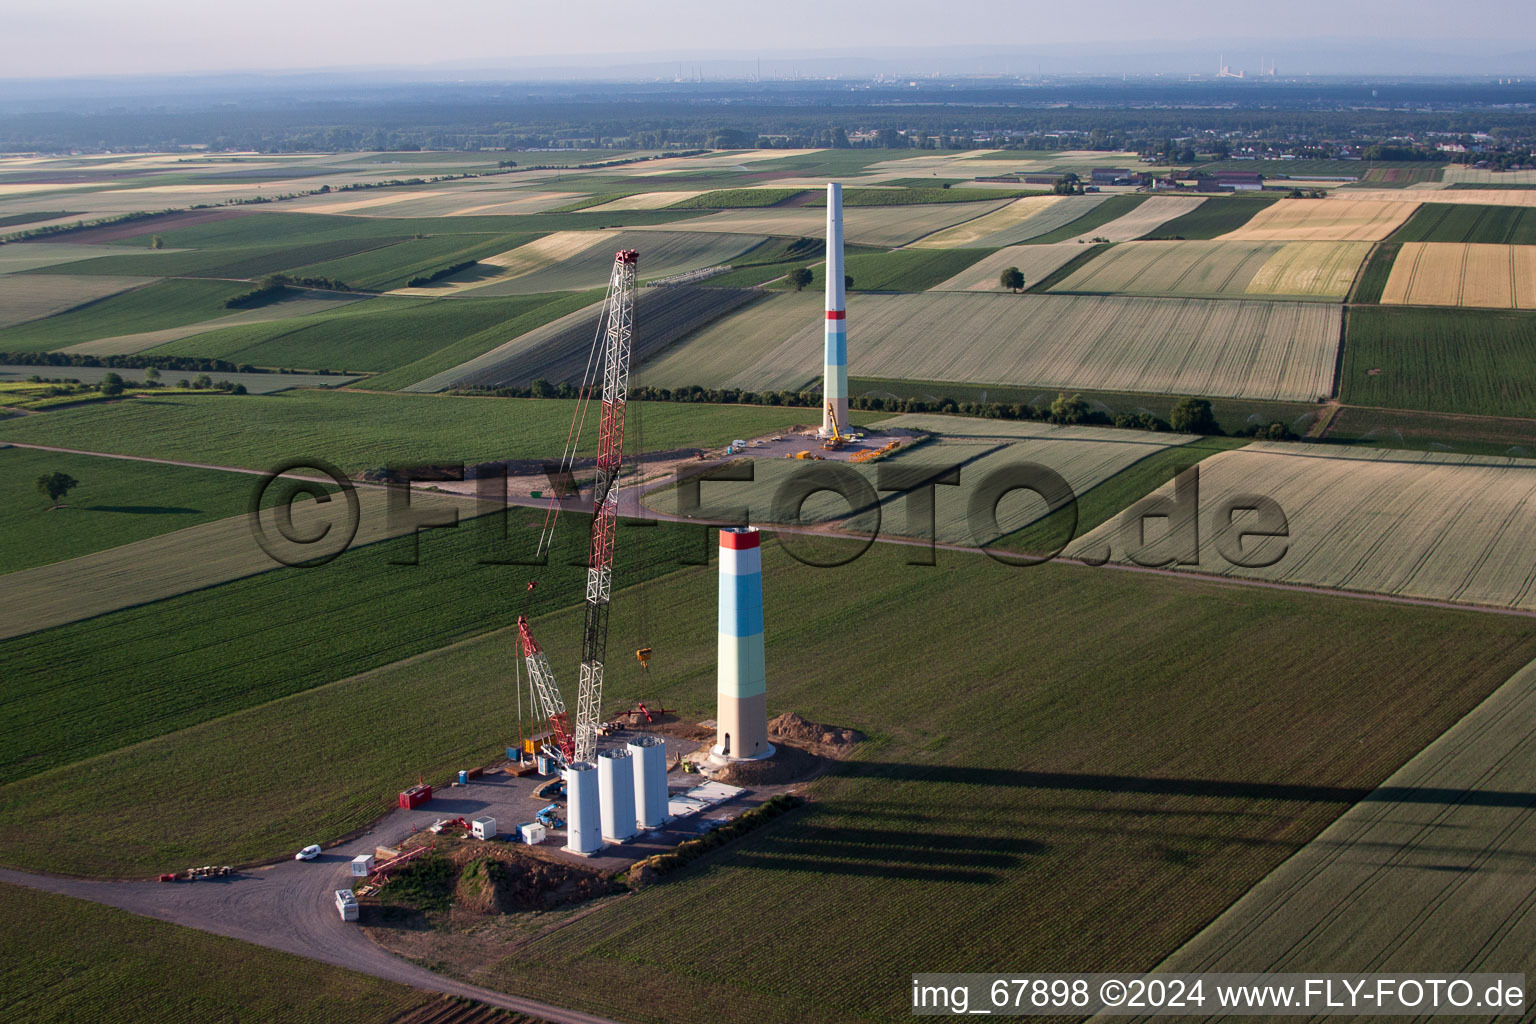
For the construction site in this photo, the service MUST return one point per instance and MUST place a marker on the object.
(589, 802)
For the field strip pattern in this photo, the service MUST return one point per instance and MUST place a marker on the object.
(1425, 870)
(862, 225)
(662, 254)
(1145, 218)
(184, 560)
(1018, 221)
(127, 344)
(1035, 262)
(1473, 197)
(644, 201)
(1425, 525)
(1186, 269)
(1326, 220)
(26, 297)
(1281, 351)
(1463, 274)
(523, 260)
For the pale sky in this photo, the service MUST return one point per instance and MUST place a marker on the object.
(46, 38)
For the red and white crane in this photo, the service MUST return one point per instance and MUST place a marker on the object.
(617, 327)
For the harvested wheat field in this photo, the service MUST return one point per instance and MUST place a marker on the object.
(1016, 222)
(1035, 262)
(1472, 196)
(1146, 218)
(1220, 269)
(1458, 274)
(1429, 525)
(644, 201)
(1281, 351)
(1326, 220)
(26, 297)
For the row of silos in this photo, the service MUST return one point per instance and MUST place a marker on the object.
(623, 794)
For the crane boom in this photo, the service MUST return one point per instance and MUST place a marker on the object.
(580, 744)
(605, 498)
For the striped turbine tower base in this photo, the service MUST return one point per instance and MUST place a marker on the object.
(741, 677)
(835, 389)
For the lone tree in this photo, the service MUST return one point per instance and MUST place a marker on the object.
(1193, 416)
(800, 277)
(848, 282)
(156, 242)
(111, 385)
(1012, 278)
(55, 486)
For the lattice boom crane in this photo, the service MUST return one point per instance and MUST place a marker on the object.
(581, 744)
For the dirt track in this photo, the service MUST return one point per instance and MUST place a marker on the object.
(290, 906)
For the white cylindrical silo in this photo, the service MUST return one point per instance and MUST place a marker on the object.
(649, 754)
(616, 789)
(583, 817)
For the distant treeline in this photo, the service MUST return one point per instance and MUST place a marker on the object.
(274, 286)
(422, 280)
(185, 364)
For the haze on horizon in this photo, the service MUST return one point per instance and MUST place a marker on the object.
(71, 38)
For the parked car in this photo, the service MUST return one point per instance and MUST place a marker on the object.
(309, 852)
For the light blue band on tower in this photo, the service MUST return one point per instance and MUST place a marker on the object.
(741, 605)
(742, 672)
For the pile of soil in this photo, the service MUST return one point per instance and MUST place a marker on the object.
(790, 726)
(788, 764)
(497, 878)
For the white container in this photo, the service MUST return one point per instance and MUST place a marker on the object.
(616, 788)
(649, 754)
(483, 828)
(583, 819)
(346, 904)
(362, 865)
(533, 833)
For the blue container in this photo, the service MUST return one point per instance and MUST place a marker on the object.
(541, 761)
(463, 778)
(514, 755)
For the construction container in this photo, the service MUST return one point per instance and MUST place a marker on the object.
(514, 755)
(616, 790)
(543, 762)
(346, 904)
(533, 833)
(362, 865)
(649, 754)
(414, 797)
(483, 828)
(463, 777)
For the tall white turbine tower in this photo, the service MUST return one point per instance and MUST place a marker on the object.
(835, 358)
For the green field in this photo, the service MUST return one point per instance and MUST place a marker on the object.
(377, 334)
(11, 220)
(1060, 799)
(151, 308)
(1075, 692)
(357, 431)
(391, 266)
(117, 502)
(736, 198)
(1440, 360)
(171, 664)
(904, 270)
(1373, 279)
(1110, 209)
(1212, 218)
(465, 349)
(66, 960)
(236, 263)
(1464, 222)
